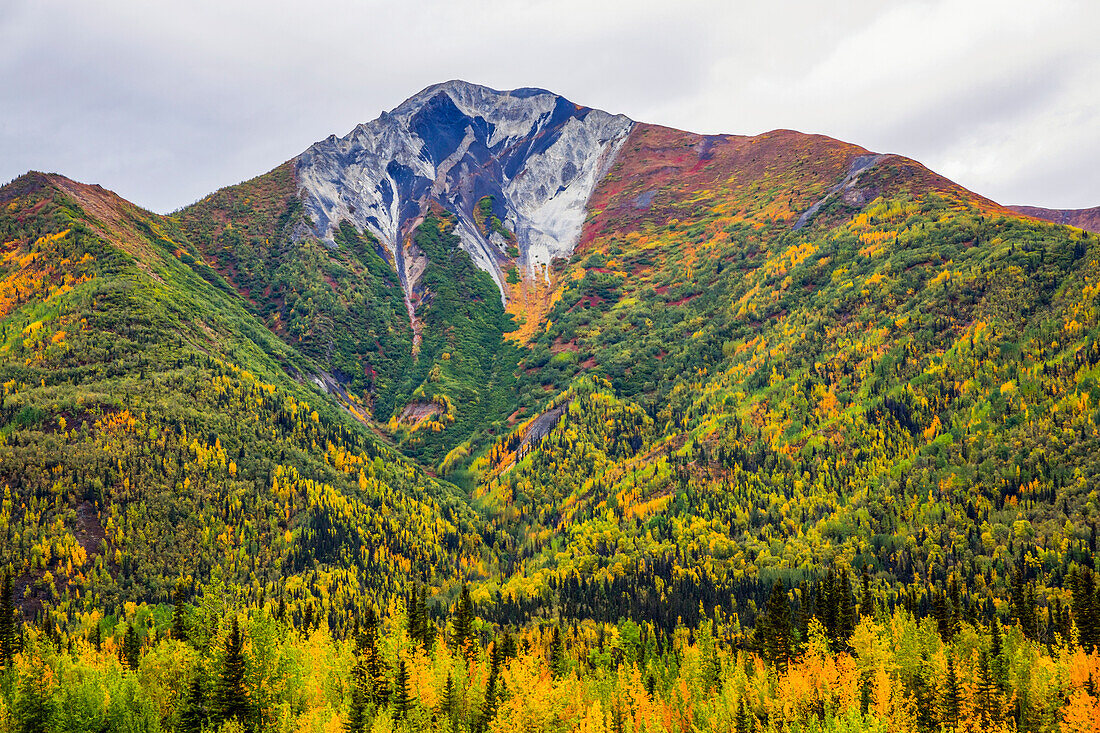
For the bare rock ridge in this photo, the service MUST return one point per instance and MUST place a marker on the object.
(538, 155)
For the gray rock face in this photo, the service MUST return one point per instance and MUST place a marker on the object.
(537, 154)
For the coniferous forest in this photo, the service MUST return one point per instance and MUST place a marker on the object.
(741, 469)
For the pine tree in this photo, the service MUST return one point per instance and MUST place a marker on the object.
(944, 617)
(417, 615)
(988, 696)
(402, 694)
(463, 623)
(712, 664)
(448, 703)
(194, 713)
(866, 601)
(846, 611)
(179, 629)
(773, 628)
(1023, 608)
(1086, 609)
(924, 697)
(557, 654)
(996, 652)
(131, 647)
(376, 680)
(618, 724)
(232, 698)
(9, 630)
(744, 719)
(952, 699)
(358, 696)
(492, 698)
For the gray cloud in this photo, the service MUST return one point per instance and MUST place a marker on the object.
(165, 102)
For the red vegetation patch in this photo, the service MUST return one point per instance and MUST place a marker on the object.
(660, 170)
(559, 346)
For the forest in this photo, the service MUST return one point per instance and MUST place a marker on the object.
(741, 477)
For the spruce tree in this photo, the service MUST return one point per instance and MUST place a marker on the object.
(194, 713)
(988, 696)
(952, 698)
(131, 647)
(996, 652)
(179, 629)
(744, 721)
(358, 697)
(463, 623)
(492, 698)
(1086, 608)
(232, 698)
(557, 654)
(402, 694)
(924, 697)
(34, 705)
(9, 631)
(376, 681)
(448, 703)
(773, 628)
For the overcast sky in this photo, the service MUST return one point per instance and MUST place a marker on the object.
(166, 101)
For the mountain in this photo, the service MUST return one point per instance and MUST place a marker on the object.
(1088, 219)
(688, 413)
(155, 433)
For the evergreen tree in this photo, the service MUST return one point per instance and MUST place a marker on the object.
(773, 628)
(987, 695)
(924, 697)
(1023, 605)
(131, 647)
(232, 698)
(866, 601)
(463, 623)
(448, 703)
(944, 616)
(712, 664)
(9, 629)
(952, 698)
(194, 712)
(359, 694)
(557, 654)
(744, 719)
(417, 614)
(1086, 608)
(402, 694)
(996, 653)
(376, 682)
(492, 697)
(179, 629)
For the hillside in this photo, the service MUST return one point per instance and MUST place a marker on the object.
(501, 412)
(152, 432)
(1088, 219)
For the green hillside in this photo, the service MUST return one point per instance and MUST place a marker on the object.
(801, 439)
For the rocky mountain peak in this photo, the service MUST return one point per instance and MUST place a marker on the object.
(534, 154)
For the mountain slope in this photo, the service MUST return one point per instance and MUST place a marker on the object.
(905, 382)
(1088, 219)
(151, 433)
(762, 354)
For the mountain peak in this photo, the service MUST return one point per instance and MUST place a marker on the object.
(528, 156)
